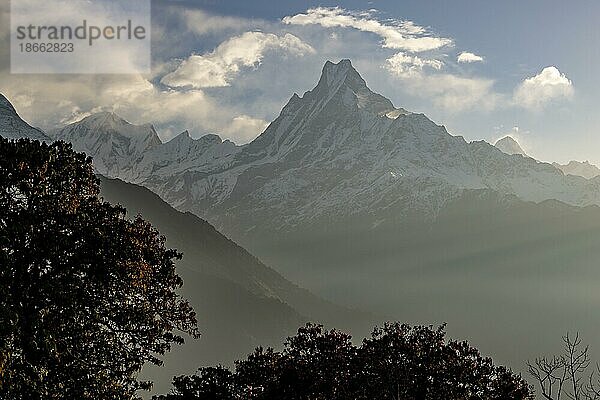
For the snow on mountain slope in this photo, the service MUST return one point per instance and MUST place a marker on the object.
(335, 152)
(584, 169)
(13, 127)
(338, 151)
(116, 145)
(510, 146)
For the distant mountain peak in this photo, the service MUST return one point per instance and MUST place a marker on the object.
(509, 146)
(115, 143)
(584, 169)
(109, 119)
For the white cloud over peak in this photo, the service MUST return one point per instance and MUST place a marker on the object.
(401, 35)
(455, 93)
(134, 98)
(537, 91)
(402, 64)
(424, 78)
(411, 54)
(244, 128)
(217, 68)
(467, 57)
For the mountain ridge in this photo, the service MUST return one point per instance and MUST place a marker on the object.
(12, 125)
(584, 169)
(337, 151)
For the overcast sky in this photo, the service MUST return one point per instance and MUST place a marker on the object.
(482, 69)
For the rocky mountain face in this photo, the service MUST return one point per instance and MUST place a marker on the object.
(338, 151)
(509, 146)
(584, 169)
(13, 127)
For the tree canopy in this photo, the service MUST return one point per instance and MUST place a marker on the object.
(87, 295)
(397, 362)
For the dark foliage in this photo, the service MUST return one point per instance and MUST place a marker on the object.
(87, 296)
(396, 362)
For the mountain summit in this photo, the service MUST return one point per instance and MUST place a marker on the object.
(510, 146)
(115, 144)
(344, 79)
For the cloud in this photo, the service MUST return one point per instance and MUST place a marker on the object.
(418, 64)
(245, 128)
(133, 97)
(142, 99)
(203, 23)
(217, 68)
(537, 91)
(502, 132)
(177, 95)
(451, 92)
(405, 65)
(105, 56)
(401, 35)
(456, 93)
(467, 57)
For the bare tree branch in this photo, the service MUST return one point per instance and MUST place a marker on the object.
(565, 375)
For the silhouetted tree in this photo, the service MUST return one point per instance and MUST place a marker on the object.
(403, 362)
(396, 362)
(210, 383)
(566, 375)
(87, 296)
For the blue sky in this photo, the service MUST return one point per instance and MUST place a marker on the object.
(536, 78)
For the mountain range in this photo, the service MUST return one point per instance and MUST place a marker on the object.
(371, 206)
(579, 168)
(338, 151)
(241, 303)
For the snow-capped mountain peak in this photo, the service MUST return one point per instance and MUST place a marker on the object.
(341, 99)
(115, 144)
(343, 77)
(109, 122)
(510, 146)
